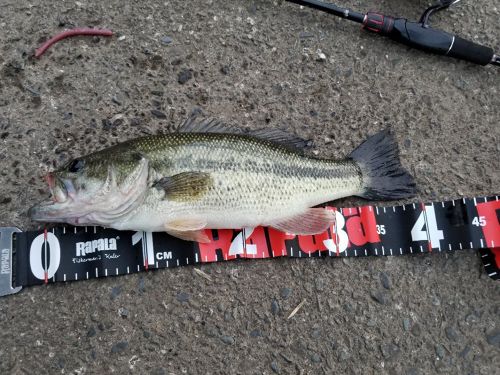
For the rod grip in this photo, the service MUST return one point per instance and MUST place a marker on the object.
(469, 51)
(417, 35)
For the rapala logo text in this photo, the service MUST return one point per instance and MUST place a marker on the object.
(101, 244)
(5, 261)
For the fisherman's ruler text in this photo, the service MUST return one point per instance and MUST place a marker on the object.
(79, 253)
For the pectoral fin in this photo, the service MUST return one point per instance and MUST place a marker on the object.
(186, 186)
(313, 221)
(188, 229)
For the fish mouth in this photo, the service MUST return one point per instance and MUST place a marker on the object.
(57, 188)
(62, 195)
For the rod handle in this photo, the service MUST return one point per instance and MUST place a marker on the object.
(426, 38)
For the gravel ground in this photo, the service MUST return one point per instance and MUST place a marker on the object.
(253, 64)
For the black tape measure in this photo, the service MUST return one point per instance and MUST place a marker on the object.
(80, 253)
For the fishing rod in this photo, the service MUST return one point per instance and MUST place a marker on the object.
(415, 34)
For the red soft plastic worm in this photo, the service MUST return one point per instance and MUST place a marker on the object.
(67, 33)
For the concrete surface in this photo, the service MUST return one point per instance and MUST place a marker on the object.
(253, 64)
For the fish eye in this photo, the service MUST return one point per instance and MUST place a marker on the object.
(76, 165)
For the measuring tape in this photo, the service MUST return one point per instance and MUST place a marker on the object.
(79, 253)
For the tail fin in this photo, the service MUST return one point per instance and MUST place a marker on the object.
(383, 175)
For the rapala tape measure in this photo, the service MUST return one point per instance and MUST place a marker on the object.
(79, 253)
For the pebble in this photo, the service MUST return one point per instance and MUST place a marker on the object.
(166, 40)
(224, 69)
(343, 354)
(117, 122)
(61, 363)
(451, 333)
(256, 333)
(228, 316)
(119, 347)
(371, 323)
(229, 340)
(117, 100)
(183, 297)
(123, 312)
(157, 92)
(315, 358)
(135, 121)
(115, 292)
(384, 279)
(412, 371)
(471, 318)
(275, 308)
(286, 357)
(91, 332)
(158, 114)
(277, 89)
(316, 334)
(493, 338)
(416, 330)
(141, 285)
(196, 111)
(252, 8)
(440, 351)
(146, 334)
(106, 124)
(320, 56)
(464, 352)
(406, 324)
(460, 83)
(390, 350)
(379, 296)
(349, 307)
(305, 35)
(158, 371)
(275, 367)
(184, 76)
(176, 61)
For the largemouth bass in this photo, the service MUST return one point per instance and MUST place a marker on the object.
(209, 176)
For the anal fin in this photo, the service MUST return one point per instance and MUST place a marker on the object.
(192, 235)
(188, 229)
(312, 221)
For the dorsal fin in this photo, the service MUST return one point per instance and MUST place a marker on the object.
(192, 125)
(279, 136)
(210, 125)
